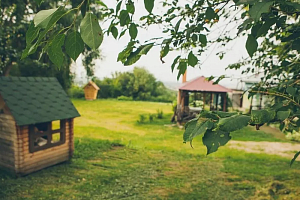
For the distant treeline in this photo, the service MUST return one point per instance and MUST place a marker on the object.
(138, 84)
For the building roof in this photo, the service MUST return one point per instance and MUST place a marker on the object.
(33, 100)
(201, 84)
(92, 84)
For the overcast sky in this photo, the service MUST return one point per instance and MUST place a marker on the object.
(211, 64)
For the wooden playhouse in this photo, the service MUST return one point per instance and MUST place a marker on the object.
(36, 124)
(91, 91)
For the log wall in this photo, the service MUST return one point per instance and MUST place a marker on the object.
(29, 162)
(8, 136)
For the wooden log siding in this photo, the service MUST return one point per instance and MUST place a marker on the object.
(7, 142)
(29, 162)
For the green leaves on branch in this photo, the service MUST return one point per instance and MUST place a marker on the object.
(149, 5)
(91, 31)
(129, 57)
(216, 127)
(259, 8)
(43, 22)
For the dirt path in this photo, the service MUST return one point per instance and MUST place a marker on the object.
(274, 148)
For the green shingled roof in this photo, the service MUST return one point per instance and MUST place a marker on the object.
(33, 100)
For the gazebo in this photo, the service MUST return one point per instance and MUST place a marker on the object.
(201, 89)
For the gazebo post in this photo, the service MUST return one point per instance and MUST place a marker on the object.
(204, 95)
(211, 100)
(217, 101)
(224, 102)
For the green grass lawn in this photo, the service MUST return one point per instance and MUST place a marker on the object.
(118, 158)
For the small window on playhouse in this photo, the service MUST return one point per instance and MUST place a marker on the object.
(46, 135)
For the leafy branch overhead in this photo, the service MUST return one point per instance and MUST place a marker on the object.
(184, 27)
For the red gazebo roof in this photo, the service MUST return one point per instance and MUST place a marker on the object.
(201, 84)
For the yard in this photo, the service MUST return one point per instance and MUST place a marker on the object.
(118, 158)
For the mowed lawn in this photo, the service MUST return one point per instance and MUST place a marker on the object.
(118, 158)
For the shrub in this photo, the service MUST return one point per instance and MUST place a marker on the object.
(76, 92)
(159, 114)
(151, 117)
(142, 119)
(124, 98)
(295, 136)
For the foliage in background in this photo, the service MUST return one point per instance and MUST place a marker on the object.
(137, 85)
(15, 21)
(76, 92)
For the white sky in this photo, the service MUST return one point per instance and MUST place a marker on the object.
(212, 65)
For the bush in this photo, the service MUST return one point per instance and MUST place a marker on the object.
(142, 119)
(159, 114)
(295, 136)
(76, 92)
(124, 98)
(151, 117)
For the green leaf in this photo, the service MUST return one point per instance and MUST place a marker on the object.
(201, 127)
(196, 127)
(192, 59)
(233, 123)
(259, 8)
(295, 157)
(282, 115)
(177, 26)
(203, 39)
(125, 53)
(194, 38)
(189, 128)
(174, 63)
(133, 58)
(90, 31)
(145, 48)
(259, 117)
(30, 49)
(149, 5)
(182, 68)
(118, 7)
(291, 91)
(130, 7)
(136, 55)
(133, 31)
(114, 32)
(74, 45)
(122, 33)
(214, 139)
(42, 18)
(164, 52)
(124, 18)
(251, 45)
(32, 33)
(55, 52)
(210, 13)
